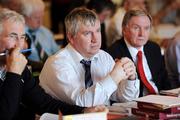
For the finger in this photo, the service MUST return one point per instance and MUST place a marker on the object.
(129, 65)
(100, 108)
(130, 72)
(15, 51)
(116, 60)
(125, 60)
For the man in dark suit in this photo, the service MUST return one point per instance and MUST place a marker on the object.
(150, 66)
(20, 94)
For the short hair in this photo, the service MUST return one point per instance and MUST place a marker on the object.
(9, 15)
(100, 5)
(77, 17)
(30, 6)
(132, 13)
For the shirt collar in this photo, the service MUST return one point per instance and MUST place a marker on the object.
(133, 51)
(2, 73)
(77, 56)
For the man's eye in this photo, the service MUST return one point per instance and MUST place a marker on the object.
(11, 36)
(86, 33)
(136, 28)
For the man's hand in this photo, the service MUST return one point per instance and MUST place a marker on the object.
(129, 68)
(118, 73)
(99, 108)
(16, 61)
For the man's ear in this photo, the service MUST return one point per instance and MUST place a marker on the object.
(70, 38)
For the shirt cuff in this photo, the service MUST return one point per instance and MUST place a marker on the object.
(130, 83)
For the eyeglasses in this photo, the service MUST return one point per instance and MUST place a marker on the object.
(14, 37)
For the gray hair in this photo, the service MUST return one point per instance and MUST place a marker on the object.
(9, 15)
(132, 13)
(30, 6)
(77, 17)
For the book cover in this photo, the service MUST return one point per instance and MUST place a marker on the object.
(151, 106)
(155, 115)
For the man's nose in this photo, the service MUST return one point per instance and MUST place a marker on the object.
(19, 43)
(141, 32)
(94, 38)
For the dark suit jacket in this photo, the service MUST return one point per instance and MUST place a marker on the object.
(154, 58)
(14, 94)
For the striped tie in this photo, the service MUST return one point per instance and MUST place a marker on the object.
(88, 79)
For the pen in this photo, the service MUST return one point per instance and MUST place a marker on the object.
(26, 50)
(22, 51)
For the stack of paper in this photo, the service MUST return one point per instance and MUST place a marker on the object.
(172, 92)
(162, 102)
(158, 107)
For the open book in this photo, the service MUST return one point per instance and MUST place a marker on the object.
(172, 92)
(160, 101)
(85, 116)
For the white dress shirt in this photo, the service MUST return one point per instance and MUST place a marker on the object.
(133, 51)
(63, 78)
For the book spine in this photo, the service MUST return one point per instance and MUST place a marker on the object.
(143, 113)
(154, 115)
(150, 106)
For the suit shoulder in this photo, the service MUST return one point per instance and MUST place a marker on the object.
(115, 46)
(152, 45)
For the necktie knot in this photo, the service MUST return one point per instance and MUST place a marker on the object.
(86, 62)
(139, 54)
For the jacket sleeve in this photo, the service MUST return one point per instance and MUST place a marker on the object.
(36, 99)
(10, 95)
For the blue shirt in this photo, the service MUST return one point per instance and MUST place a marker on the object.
(45, 39)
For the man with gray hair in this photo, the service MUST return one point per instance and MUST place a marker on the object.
(20, 94)
(42, 39)
(146, 54)
(81, 73)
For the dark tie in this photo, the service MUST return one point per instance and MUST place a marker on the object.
(42, 54)
(88, 79)
(142, 74)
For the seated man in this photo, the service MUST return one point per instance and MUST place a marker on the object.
(81, 73)
(146, 55)
(18, 90)
(172, 60)
(42, 39)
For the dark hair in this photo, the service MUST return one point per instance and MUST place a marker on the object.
(100, 5)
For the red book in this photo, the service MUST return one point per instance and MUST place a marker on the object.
(155, 115)
(154, 107)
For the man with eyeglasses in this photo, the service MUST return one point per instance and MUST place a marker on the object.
(20, 94)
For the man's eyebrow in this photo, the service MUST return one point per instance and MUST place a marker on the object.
(13, 33)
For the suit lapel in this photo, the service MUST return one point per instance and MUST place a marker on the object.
(125, 50)
(149, 56)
